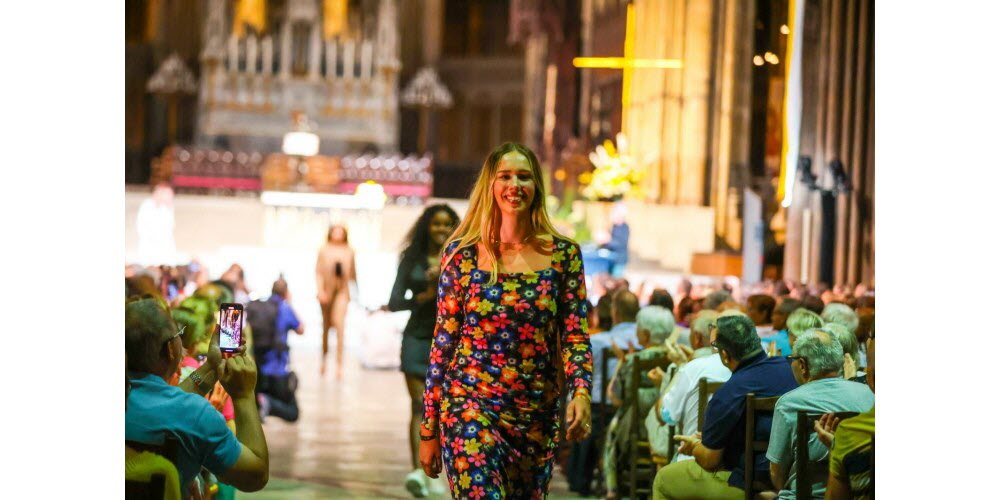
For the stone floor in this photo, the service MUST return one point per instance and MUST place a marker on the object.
(350, 440)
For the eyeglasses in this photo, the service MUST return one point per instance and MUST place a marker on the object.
(178, 334)
(791, 359)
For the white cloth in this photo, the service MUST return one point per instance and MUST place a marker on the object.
(155, 227)
(680, 403)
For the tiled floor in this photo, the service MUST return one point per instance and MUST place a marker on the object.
(350, 440)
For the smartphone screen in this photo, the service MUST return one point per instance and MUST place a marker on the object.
(230, 327)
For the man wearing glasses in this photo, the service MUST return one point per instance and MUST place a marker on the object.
(818, 364)
(717, 469)
(155, 408)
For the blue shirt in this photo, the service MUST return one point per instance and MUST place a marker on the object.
(621, 334)
(156, 408)
(725, 415)
(275, 362)
(781, 342)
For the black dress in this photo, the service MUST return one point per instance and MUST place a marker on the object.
(419, 332)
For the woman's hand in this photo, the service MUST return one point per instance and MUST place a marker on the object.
(578, 419)
(430, 457)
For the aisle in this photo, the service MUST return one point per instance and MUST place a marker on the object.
(350, 440)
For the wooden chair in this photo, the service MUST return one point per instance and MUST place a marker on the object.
(807, 472)
(751, 445)
(640, 461)
(705, 390)
(154, 488)
(663, 460)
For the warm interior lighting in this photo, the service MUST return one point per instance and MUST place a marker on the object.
(758, 61)
(771, 57)
(622, 63)
(784, 29)
(300, 144)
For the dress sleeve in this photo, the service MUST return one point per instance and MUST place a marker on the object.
(572, 307)
(397, 299)
(447, 329)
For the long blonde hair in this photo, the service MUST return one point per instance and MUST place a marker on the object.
(483, 217)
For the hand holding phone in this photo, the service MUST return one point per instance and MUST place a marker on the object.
(230, 327)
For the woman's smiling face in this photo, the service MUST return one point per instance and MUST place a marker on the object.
(514, 184)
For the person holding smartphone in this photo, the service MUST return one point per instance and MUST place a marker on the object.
(155, 408)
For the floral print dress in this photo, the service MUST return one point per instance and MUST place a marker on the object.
(493, 384)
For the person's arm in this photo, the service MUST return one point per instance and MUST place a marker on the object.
(707, 458)
(779, 474)
(572, 307)
(447, 331)
(397, 298)
(251, 470)
(837, 489)
(779, 446)
(202, 380)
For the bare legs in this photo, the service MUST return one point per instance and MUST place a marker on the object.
(334, 314)
(415, 386)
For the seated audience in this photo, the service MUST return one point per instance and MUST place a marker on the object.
(153, 344)
(679, 405)
(818, 364)
(813, 303)
(850, 459)
(800, 321)
(836, 312)
(760, 308)
(779, 320)
(653, 324)
(715, 299)
(584, 454)
(852, 352)
(717, 469)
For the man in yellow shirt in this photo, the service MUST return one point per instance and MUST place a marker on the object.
(851, 461)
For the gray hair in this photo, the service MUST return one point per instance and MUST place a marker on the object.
(841, 314)
(702, 323)
(715, 299)
(801, 320)
(822, 351)
(656, 320)
(846, 339)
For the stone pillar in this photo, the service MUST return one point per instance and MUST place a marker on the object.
(315, 48)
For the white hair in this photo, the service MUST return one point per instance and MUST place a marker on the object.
(656, 320)
(841, 314)
(701, 323)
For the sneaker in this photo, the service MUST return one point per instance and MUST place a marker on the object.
(415, 483)
(263, 406)
(437, 487)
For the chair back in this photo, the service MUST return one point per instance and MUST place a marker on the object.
(606, 355)
(752, 446)
(640, 460)
(705, 390)
(807, 472)
(141, 490)
(155, 487)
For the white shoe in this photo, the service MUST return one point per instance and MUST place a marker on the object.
(437, 486)
(415, 483)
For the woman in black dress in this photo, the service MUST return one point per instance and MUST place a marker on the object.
(415, 290)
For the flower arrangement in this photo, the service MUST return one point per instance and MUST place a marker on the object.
(615, 172)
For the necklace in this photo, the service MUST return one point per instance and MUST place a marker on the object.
(516, 244)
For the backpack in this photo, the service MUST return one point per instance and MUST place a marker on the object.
(263, 318)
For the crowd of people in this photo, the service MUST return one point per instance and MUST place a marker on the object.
(193, 413)
(812, 348)
(511, 367)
